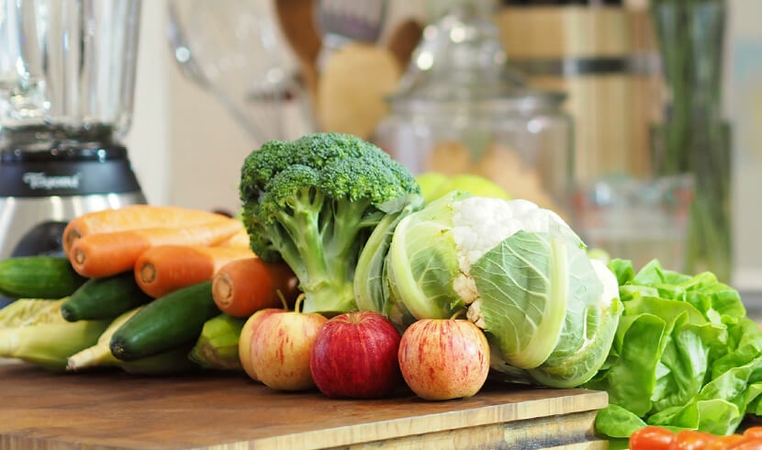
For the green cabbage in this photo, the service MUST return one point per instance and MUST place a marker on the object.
(517, 271)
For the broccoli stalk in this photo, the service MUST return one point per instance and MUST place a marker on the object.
(313, 203)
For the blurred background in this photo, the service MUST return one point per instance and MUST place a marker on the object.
(187, 142)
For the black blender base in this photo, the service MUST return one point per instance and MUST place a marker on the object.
(33, 225)
(42, 189)
(45, 238)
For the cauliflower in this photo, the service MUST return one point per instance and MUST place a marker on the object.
(517, 271)
(480, 223)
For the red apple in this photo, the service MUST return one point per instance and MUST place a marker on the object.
(443, 359)
(280, 349)
(355, 356)
(244, 340)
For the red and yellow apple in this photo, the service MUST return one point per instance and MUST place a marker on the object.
(244, 340)
(444, 359)
(280, 350)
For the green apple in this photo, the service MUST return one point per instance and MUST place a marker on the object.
(474, 184)
(430, 182)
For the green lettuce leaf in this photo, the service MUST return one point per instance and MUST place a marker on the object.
(685, 355)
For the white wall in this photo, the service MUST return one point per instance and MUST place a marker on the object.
(184, 146)
(148, 139)
(187, 150)
(743, 101)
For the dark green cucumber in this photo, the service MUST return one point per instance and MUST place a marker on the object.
(104, 298)
(39, 276)
(170, 362)
(165, 323)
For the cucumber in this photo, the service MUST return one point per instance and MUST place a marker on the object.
(39, 276)
(104, 298)
(165, 323)
(170, 362)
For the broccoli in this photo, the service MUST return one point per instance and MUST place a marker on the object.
(313, 202)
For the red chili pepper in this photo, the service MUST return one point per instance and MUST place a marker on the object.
(651, 438)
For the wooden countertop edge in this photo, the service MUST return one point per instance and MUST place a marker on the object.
(492, 408)
(432, 423)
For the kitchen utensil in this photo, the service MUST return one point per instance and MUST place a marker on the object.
(235, 50)
(356, 71)
(298, 23)
(345, 21)
(352, 87)
(403, 40)
(67, 74)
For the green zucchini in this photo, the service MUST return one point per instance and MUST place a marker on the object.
(104, 298)
(165, 323)
(39, 276)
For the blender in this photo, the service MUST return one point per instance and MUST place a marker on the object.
(67, 75)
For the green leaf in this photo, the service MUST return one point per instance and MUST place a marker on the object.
(685, 354)
(525, 283)
(617, 422)
(631, 380)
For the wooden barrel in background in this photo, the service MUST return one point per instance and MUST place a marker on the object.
(605, 58)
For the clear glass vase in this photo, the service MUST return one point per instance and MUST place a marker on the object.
(694, 137)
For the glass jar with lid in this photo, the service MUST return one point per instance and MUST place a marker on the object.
(461, 109)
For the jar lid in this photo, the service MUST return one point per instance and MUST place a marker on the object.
(460, 60)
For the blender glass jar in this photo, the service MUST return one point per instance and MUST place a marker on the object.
(461, 109)
(67, 71)
(67, 76)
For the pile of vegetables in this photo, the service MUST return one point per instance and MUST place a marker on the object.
(330, 225)
(523, 275)
(148, 289)
(553, 315)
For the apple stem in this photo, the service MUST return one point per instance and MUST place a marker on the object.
(354, 317)
(283, 301)
(457, 314)
(297, 304)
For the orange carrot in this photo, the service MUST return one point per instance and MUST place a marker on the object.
(106, 254)
(245, 286)
(166, 268)
(132, 217)
(240, 239)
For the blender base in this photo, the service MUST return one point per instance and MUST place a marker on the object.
(43, 189)
(33, 225)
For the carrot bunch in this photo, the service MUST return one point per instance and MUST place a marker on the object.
(108, 242)
(169, 247)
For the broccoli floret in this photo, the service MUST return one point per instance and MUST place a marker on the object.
(313, 202)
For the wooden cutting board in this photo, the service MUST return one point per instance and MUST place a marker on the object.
(112, 410)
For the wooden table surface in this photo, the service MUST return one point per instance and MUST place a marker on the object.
(112, 410)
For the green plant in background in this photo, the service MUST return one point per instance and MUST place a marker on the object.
(694, 137)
